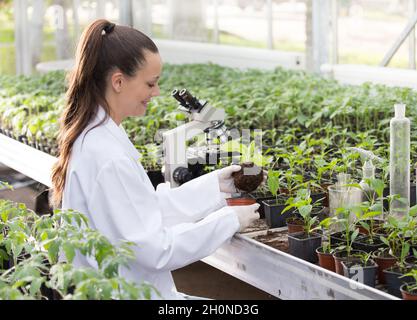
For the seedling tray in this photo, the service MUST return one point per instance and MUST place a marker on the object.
(27, 160)
(283, 275)
(269, 269)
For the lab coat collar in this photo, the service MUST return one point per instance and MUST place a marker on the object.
(117, 131)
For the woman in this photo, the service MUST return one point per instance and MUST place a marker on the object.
(98, 172)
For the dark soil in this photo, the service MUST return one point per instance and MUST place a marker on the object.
(277, 240)
(295, 221)
(257, 225)
(246, 180)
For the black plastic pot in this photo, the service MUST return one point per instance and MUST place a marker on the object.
(260, 197)
(411, 261)
(394, 281)
(320, 198)
(320, 213)
(156, 177)
(303, 246)
(362, 274)
(364, 244)
(339, 237)
(340, 256)
(413, 247)
(273, 216)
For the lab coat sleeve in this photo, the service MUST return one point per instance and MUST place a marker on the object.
(191, 201)
(122, 207)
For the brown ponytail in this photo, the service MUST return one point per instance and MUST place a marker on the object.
(103, 47)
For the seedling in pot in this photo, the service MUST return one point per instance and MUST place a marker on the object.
(360, 267)
(249, 177)
(399, 235)
(410, 288)
(273, 182)
(350, 232)
(363, 258)
(252, 161)
(373, 207)
(326, 226)
(302, 202)
(322, 167)
(304, 244)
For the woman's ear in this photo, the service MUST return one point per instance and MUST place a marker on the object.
(117, 81)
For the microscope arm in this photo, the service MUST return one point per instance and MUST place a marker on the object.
(174, 142)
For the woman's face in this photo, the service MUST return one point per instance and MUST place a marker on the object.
(134, 93)
(141, 88)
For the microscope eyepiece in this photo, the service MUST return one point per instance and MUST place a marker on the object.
(186, 99)
(176, 94)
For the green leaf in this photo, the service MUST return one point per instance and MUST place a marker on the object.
(53, 250)
(405, 250)
(378, 185)
(413, 211)
(354, 235)
(385, 241)
(371, 214)
(4, 216)
(273, 181)
(69, 251)
(305, 210)
(35, 286)
(326, 223)
(376, 207)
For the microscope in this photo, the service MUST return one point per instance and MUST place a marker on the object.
(182, 163)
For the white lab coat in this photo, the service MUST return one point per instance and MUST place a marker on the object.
(170, 227)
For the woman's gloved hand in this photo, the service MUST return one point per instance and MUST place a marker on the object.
(226, 182)
(246, 215)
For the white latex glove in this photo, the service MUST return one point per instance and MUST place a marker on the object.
(226, 182)
(246, 215)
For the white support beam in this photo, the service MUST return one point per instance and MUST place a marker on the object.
(321, 30)
(180, 52)
(36, 31)
(100, 9)
(335, 31)
(270, 25)
(216, 33)
(125, 12)
(412, 38)
(142, 16)
(359, 74)
(22, 43)
(400, 40)
(75, 18)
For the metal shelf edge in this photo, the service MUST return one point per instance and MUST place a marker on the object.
(264, 267)
(285, 276)
(27, 160)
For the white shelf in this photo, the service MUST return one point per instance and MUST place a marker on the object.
(285, 276)
(27, 160)
(276, 272)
